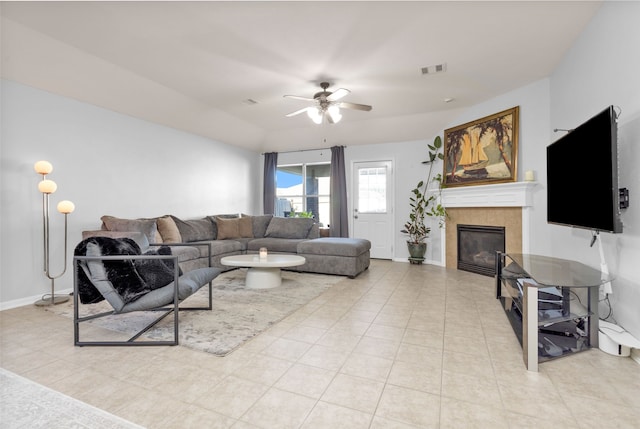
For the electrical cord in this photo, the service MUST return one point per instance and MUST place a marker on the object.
(610, 315)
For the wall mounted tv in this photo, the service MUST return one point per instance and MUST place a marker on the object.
(582, 176)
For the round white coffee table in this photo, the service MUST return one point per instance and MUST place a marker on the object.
(263, 273)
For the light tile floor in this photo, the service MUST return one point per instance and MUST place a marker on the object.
(401, 346)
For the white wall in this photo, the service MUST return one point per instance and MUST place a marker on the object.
(603, 68)
(106, 163)
(409, 170)
(533, 101)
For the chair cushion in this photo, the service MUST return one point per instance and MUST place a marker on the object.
(188, 284)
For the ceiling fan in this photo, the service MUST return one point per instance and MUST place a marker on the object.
(327, 105)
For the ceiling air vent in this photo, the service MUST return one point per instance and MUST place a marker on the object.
(438, 68)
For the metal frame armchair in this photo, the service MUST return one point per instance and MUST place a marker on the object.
(164, 300)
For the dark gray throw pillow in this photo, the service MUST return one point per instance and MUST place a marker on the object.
(195, 230)
(289, 227)
(260, 225)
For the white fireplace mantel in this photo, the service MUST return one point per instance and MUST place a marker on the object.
(514, 194)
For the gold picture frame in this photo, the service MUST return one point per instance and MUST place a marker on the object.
(483, 151)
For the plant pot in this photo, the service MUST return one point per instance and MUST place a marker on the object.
(416, 252)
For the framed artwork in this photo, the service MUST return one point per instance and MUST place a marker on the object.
(483, 151)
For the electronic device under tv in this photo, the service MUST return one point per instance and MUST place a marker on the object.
(582, 176)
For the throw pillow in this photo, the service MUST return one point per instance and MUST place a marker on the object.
(146, 226)
(213, 218)
(260, 225)
(290, 227)
(228, 228)
(168, 230)
(245, 227)
(195, 230)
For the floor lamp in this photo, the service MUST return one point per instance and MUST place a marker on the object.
(48, 187)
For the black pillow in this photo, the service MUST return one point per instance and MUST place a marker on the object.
(122, 274)
(156, 272)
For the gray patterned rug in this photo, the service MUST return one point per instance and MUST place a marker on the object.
(26, 404)
(238, 313)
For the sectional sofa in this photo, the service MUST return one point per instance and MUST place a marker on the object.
(237, 234)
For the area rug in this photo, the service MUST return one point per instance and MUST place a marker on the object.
(238, 313)
(26, 404)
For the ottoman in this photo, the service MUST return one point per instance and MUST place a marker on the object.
(335, 255)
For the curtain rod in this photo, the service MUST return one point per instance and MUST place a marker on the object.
(303, 150)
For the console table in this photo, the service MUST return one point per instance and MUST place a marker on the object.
(552, 304)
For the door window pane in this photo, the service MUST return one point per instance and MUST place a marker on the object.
(372, 190)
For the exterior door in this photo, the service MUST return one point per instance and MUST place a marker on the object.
(372, 206)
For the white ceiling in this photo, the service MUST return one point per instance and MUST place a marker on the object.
(192, 65)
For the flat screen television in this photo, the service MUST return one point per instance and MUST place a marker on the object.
(582, 176)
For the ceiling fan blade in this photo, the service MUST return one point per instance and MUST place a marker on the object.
(297, 97)
(297, 112)
(355, 106)
(338, 94)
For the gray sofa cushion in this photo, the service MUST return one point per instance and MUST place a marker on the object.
(295, 227)
(146, 226)
(195, 230)
(219, 247)
(260, 225)
(185, 253)
(275, 244)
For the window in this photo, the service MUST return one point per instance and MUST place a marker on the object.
(303, 188)
(372, 190)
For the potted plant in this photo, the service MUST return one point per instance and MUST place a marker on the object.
(423, 204)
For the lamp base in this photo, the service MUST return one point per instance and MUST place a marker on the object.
(52, 300)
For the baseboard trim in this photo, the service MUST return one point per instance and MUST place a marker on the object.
(8, 305)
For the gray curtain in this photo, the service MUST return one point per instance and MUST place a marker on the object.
(269, 191)
(338, 194)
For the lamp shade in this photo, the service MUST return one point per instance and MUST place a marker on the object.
(43, 167)
(47, 186)
(66, 207)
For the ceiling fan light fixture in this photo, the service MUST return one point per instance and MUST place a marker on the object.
(326, 105)
(315, 115)
(334, 113)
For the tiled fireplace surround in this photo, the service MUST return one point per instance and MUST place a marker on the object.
(506, 204)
